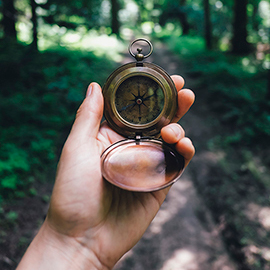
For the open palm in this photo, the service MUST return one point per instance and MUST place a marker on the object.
(89, 213)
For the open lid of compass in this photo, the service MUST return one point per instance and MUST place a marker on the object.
(139, 99)
(145, 165)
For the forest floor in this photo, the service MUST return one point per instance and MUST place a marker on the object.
(183, 236)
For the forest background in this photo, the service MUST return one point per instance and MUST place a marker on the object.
(50, 50)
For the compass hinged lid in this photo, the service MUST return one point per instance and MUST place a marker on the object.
(147, 165)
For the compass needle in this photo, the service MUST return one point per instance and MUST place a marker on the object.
(126, 107)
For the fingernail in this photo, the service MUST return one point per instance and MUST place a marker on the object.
(89, 90)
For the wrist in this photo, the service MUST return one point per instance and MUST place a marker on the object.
(51, 250)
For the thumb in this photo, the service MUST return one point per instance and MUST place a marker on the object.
(88, 116)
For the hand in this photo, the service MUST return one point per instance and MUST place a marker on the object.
(91, 223)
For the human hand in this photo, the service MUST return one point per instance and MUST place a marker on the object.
(91, 223)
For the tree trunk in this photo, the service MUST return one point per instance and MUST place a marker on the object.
(184, 23)
(183, 18)
(34, 23)
(240, 46)
(114, 18)
(254, 18)
(268, 85)
(207, 25)
(9, 19)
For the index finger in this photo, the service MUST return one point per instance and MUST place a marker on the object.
(179, 82)
(185, 98)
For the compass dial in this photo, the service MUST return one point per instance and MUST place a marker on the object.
(139, 100)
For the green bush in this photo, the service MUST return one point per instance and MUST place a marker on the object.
(235, 87)
(40, 93)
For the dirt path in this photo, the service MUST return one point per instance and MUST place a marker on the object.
(182, 236)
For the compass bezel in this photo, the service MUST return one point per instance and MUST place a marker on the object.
(157, 74)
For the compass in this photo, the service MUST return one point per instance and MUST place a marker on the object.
(139, 99)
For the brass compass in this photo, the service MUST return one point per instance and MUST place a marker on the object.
(139, 99)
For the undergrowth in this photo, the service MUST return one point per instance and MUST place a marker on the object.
(40, 93)
(235, 87)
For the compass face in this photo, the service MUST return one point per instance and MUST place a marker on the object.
(139, 100)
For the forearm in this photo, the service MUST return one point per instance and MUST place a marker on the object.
(49, 251)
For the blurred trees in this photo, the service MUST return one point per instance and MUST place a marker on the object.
(237, 25)
(9, 19)
(176, 11)
(71, 13)
(239, 40)
(114, 16)
(208, 25)
(35, 24)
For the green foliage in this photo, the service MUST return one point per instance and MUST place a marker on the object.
(13, 160)
(23, 242)
(10, 218)
(186, 45)
(72, 13)
(235, 87)
(46, 198)
(40, 94)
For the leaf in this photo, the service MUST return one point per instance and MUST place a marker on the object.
(9, 182)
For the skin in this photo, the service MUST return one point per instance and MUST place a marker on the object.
(91, 224)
